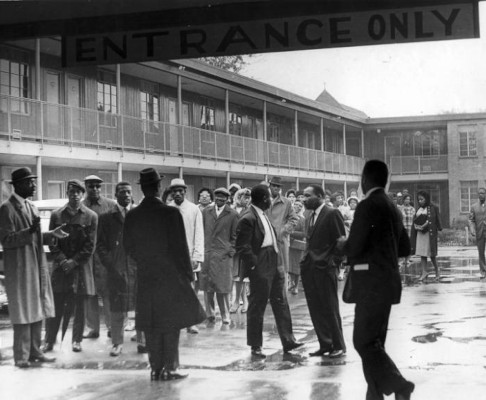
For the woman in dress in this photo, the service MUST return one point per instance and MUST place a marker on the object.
(424, 232)
(297, 246)
(408, 215)
(240, 205)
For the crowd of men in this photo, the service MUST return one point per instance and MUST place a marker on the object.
(153, 258)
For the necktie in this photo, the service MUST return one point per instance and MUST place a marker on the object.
(313, 219)
(124, 212)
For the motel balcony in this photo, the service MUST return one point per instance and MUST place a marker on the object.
(419, 165)
(54, 124)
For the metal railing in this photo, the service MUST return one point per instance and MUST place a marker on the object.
(32, 120)
(403, 165)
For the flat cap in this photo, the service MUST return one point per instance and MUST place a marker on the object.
(93, 178)
(77, 184)
(222, 190)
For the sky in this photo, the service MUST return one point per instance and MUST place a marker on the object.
(386, 80)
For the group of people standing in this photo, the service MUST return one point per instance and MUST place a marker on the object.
(243, 237)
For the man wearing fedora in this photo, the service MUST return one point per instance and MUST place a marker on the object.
(27, 280)
(100, 205)
(284, 219)
(154, 236)
(193, 226)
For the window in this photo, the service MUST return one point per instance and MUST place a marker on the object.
(14, 81)
(468, 143)
(207, 118)
(469, 195)
(149, 102)
(107, 101)
(235, 124)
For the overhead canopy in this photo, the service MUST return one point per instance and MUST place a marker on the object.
(117, 31)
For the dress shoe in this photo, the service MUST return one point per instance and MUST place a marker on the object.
(47, 347)
(295, 290)
(406, 393)
(155, 375)
(234, 309)
(172, 375)
(22, 364)
(77, 347)
(292, 346)
(192, 330)
(141, 349)
(211, 319)
(256, 351)
(42, 359)
(337, 354)
(116, 350)
(226, 321)
(319, 353)
(92, 335)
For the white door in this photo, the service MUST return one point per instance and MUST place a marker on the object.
(74, 102)
(173, 128)
(53, 123)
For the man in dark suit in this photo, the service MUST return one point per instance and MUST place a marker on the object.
(256, 243)
(477, 223)
(376, 240)
(154, 236)
(319, 269)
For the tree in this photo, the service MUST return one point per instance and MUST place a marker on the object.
(228, 63)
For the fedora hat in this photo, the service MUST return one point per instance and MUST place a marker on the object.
(21, 174)
(148, 176)
(177, 182)
(276, 180)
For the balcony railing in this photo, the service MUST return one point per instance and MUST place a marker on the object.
(32, 120)
(418, 164)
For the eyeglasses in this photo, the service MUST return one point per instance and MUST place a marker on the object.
(94, 186)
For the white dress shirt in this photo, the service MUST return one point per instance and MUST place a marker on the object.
(269, 239)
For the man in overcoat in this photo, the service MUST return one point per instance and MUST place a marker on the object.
(256, 244)
(27, 280)
(283, 217)
(121, 269)
(193, 226)
(219, 248)
(100, 205)
(477, 221)
(376, 240)
(153, 235)
(72, 276)
(319, 270)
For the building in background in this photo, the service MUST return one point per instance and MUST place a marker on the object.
(212, 127)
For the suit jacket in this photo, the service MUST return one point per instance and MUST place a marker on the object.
(320, 251)
(249, 238)
(477, 220)
(121, 269)
(377, 238)
(27, 280)
(154, 236)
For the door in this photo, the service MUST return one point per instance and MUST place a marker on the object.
(393, 153)
(53, 121)
(74, 102)
(173, 128)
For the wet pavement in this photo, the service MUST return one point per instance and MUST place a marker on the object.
(437, 337)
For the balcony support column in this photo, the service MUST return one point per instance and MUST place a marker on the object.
(297, 183)
(226, 110)
(119, 167)
(181, 172)
(228, 179)
(179, 100)
(118, 89)
(38, 169)
(344, 139)
(296, 127)
(323, 183)
(322, 134)
(37, 70)
(265, 138)
(362, 143)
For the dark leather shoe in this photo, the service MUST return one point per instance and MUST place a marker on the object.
(92, 335)
(292, 346)
(154, 375)
(320, 353)
(22, 364)
(42, 359)
(172, 375)
(47, 347)
(141, 349)
(256, 351)
(337, 354)
(77, 347)
(116, 350)
(406, 393)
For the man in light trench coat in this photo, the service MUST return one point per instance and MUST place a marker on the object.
(27, 280)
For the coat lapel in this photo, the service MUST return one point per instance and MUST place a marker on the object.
(21, 210)
(320, 217)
